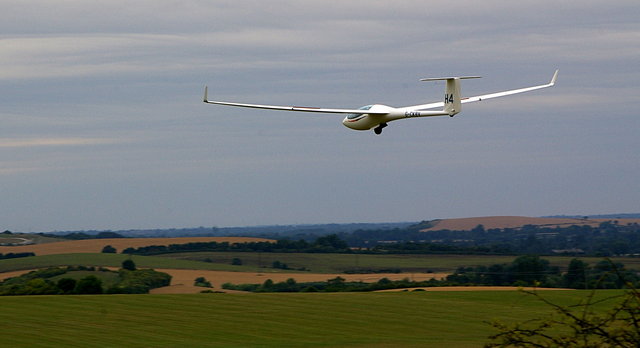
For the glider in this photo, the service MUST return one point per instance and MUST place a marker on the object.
(377, 116)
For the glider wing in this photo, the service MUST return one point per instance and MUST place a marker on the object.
(292, 108)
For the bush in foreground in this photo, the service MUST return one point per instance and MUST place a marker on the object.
(577, 326)
(580, 325)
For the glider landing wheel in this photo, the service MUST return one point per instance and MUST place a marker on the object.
(378, 130)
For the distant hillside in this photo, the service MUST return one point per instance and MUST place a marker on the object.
(312, 231)
(271, 231)
(598, 216)
(489, 222)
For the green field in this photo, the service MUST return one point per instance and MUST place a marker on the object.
(338, 263)
(316, 263)
(110, 260)
(407, 319)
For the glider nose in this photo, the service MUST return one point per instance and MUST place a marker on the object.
(359, 122)
(345, 122)
(350, 123)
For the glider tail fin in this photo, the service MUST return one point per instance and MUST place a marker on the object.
(452, 97)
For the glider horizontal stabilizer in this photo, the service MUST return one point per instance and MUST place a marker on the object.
(450, 78)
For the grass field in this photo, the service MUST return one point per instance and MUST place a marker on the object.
(407, 319)
(317, 263)
(337, 263)
(261, 262)
(184, 267)
(410, 319)
(110, 260)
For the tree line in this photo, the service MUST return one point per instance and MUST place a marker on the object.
(83, 235)
(607, 239)
(526, 270)
(15, 255)
(531, 270)
(326, 244)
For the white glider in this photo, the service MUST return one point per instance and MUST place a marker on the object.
(377, 116)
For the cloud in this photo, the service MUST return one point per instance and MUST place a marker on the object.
(37, 142)
(104, 97)
(226, 37)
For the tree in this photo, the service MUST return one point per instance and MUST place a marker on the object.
(479, 229)
(201, 281)
(335, 284)
(109, 249)
(332, 242)
(529, 269)
(66, 285)
(576, 276)
(268, 284)
(89, 285)
(279, 265)
(108, 234)
(128, 264)
(609, 275)
(39, 286)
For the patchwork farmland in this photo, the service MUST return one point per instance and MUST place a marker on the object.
(177, 314)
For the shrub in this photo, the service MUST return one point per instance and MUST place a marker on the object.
(129, 265)
(108, 249)
(201, 281)
(66, 285)
(89, 285)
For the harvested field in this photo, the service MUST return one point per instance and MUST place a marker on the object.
(182, 281)
(96, 245)
(489, 222)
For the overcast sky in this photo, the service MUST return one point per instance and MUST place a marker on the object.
(102, 124)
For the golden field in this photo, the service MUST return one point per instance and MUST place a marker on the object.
(96, 245)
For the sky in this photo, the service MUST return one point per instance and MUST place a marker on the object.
(102, 124)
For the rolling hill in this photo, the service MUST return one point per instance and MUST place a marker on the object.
(489, 222)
